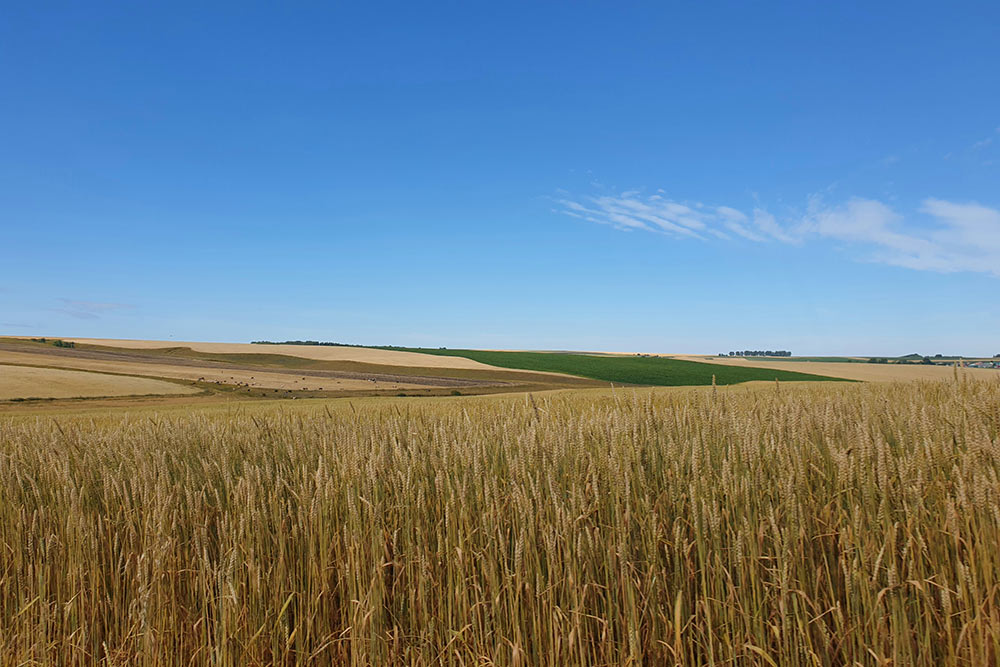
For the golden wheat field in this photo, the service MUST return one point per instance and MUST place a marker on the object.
(768, 525)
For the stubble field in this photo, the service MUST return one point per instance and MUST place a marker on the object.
(859, 371)
(17, 382)
(367, 355)
(232, 371)
(820, 524)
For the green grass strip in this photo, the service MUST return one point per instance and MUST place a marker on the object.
(655, 371)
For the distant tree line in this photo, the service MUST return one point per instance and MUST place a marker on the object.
(758, 353)
(57, 342)
(300, 342)
(328, 344)
(926, 361)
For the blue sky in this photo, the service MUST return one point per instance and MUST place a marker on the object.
(665, 177)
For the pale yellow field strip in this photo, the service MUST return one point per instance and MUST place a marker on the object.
(318, 352)
(857, 371)
(256, 379)
(27, 382)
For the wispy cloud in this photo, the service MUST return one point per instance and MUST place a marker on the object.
(946, 237)
(632, 210)
(986, 141)
(88, 310)
(955, 236)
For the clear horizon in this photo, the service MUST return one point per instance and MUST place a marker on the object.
(656, 179)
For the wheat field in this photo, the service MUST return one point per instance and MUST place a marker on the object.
(766, 525)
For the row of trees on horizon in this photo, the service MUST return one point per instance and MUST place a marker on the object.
(758, 353)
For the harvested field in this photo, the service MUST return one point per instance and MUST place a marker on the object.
(228, 376)
(317, 352)
(269, 372)
(856, 371)
(20, 382)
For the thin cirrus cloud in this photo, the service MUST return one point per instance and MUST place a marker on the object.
(88, 310)
(955, 236)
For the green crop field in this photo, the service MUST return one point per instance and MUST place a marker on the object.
(655, 371)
